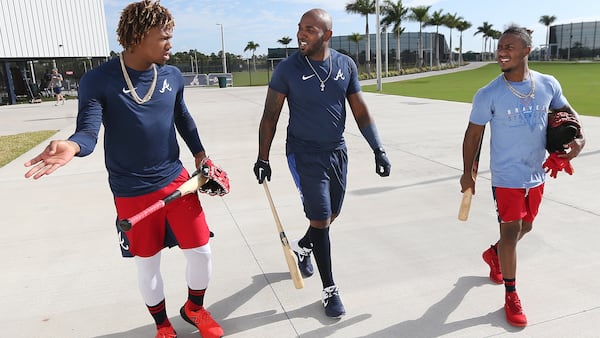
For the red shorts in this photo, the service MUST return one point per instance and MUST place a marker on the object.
(183, 217)
(518, 204)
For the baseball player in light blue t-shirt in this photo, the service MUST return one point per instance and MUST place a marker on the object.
(516, 106)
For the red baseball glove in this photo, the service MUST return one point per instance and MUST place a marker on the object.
(218, 182)
(562, 128)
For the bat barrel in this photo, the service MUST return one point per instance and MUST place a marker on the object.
(285, 245)
(465, 205)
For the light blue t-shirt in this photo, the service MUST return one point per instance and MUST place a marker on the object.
(517, 127)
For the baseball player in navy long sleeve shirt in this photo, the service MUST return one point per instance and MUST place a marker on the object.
(139, 101)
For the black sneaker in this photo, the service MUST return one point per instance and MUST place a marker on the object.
(303, 255)
(332, 302)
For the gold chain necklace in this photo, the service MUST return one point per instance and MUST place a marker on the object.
(314, 71)
(135, 96)
(516, 93)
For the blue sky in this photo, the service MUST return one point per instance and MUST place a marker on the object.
(266, 21)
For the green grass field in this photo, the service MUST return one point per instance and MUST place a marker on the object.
(12, 146)
(580, 82)
(246, 79)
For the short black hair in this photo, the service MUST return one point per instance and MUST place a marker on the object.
(523, 33)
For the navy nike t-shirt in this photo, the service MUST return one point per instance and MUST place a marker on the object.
(317, 118)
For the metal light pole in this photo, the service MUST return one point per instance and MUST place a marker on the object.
(378, 47)
(387, 52)
(223, 48)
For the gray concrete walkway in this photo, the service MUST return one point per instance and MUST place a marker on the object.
(468, 66)
(405, 265)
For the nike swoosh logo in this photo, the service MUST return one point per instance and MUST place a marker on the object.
(305, 77)
(325, 302)
(127, 91)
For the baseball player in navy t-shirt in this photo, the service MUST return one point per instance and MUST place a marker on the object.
(317, 81)
(139, 101)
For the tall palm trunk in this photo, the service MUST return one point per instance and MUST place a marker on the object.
(368, 49)
(398, 53)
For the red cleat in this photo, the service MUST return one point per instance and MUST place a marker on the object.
(514, 311)
(491, 258)
(202, 320)
(166, 332)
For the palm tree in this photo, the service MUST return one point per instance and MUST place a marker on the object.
(420, 14)
(495, 36)
(384, 35)
(285, 41)
(484, 30)
(437, 19)
(547, 20)
(252, 46)
(393, 14)
(364, 7)
(450, 21)
(356, 37)
(462, 26)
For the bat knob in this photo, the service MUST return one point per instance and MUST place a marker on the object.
(205, 171)
(125, 225)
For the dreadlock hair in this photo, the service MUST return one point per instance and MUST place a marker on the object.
(138, 18)
(523, 33)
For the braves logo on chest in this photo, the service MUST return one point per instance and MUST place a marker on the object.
(165, 86)
(339, 75)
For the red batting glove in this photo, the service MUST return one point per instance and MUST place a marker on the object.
(554, 164)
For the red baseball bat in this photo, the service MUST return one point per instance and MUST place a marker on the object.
(185, 188)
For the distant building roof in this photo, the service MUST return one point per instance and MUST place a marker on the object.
(53, 29)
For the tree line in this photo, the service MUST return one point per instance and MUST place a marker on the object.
(393, 16)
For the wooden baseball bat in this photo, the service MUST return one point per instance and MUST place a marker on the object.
(185, 188)
(288, 253)
(465, 203)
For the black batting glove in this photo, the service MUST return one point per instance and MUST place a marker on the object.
(382, 164)
(262, 170)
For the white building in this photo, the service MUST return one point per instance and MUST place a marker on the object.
(36, 33)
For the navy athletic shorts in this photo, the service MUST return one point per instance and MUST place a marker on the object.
(321, 181)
